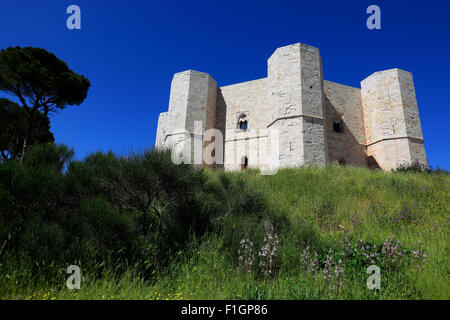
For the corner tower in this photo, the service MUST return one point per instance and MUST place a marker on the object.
(192, 111)
(297, 100)
(391, 117)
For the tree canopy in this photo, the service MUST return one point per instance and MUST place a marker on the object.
(39, 79)
(41, 82)
(13, 126)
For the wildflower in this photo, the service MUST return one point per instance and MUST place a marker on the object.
(419, 257)
(392, 252)
(268, 253)
(310, 261)
(333, 273)
(246, 256)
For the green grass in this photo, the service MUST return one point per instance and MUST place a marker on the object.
(365, 204)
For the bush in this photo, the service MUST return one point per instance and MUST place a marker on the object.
(416, 166)
(140, 209)
(30, 195)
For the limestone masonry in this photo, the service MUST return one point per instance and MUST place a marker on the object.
(294, 117)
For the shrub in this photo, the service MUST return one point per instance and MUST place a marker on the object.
(416, 166)
(139, 208)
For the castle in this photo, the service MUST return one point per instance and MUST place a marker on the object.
(294, 117)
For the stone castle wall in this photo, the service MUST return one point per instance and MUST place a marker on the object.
(348, 146)
(292, 116)
(249, 98)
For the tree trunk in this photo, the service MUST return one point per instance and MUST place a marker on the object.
(27, 136)
(2, 249)
(23, 148)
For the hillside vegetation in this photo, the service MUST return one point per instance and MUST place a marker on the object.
(141, 227)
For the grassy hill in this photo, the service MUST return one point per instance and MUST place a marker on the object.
(325, 207)
(306, 233)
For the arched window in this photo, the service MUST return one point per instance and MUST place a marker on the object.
(243, 122)
(338, 125)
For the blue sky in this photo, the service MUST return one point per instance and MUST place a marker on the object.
(130, 50)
